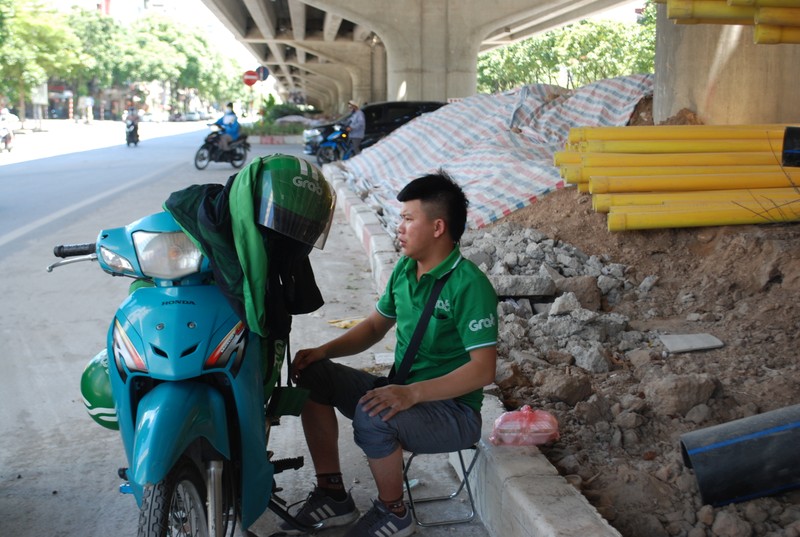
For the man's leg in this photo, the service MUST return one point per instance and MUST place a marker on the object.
(332, 387)
(388, 475)
(321, 429)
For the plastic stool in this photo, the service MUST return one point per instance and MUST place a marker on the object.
(465, 473)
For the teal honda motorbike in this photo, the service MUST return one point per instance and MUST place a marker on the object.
(190, 379)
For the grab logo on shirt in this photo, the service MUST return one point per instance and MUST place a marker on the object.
(443, 305)
(480, 324)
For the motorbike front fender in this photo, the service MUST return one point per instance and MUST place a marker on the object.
(169, 419)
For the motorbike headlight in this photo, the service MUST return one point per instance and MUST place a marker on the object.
(166, 256)
(115, 261)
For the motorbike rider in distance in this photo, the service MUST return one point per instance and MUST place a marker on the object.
(6, 129)
(229, 124)
(132, 127)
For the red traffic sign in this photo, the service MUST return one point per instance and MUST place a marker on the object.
(262, 72)
(250, 77)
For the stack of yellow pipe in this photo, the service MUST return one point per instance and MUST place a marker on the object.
(683, 176)
(775, 21)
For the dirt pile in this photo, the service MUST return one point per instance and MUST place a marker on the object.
(623, 401)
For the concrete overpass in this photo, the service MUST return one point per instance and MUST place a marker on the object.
(329, 51)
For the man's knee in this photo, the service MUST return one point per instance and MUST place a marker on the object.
(314, 376)
(376, 438)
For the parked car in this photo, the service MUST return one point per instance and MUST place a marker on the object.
(381, 119)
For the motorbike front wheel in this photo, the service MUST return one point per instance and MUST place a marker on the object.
(239, 156)
(202, 158)
(175, 507)
(325, 155)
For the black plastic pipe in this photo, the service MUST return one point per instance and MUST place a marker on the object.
(746, 458)
(790, 155)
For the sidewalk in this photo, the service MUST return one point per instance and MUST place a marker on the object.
(518, 493)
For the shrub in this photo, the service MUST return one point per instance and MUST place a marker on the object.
(267, 128)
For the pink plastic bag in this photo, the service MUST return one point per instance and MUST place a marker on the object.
(524, 427)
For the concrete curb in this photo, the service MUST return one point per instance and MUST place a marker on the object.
(518, 493)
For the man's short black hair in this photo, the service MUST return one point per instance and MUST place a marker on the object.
(441, 198)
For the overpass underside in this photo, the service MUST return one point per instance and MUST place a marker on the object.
(372, 50)
(325, 52)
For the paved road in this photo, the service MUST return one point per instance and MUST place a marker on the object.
(57, 467)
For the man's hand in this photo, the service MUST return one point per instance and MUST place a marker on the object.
(303, 358)
(393, 398)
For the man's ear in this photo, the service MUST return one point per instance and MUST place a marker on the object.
(439, 227)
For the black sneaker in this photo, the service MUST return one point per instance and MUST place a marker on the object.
(380, 522)
(321, 509)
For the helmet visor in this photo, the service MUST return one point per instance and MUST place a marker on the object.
(296, 200)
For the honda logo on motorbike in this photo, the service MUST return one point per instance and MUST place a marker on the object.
(308, 184)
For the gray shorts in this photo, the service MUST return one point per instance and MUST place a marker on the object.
(432, 427)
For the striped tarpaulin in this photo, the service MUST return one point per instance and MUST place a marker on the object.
(499, 148)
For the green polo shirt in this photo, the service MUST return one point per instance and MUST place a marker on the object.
(464, 319)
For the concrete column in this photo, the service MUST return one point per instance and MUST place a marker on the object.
(378, 60)
(719, 73)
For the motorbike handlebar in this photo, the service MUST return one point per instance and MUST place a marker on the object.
(72, 250)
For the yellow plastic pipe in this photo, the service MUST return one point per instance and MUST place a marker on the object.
(677, 183)
(733, 215)
(687, 159)
(566, 157)
(602, 203)
(756, 206)
(575, 173)
(736, 22)
(707, 9)
(778, 16)
(765, 34)
(765, 3)
(679, 132)
(682, 146)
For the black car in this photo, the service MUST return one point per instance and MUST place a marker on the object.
(381, 119)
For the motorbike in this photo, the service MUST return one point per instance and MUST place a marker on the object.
(210, 151)
(6, 138)
(131, 133)
(192, 391)
(335, 147)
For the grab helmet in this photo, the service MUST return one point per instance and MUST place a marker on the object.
(96, 391)
(295, 199)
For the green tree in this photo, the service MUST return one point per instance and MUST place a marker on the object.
(184, 60)
(92, 52)
(100, 50)
(38, 43)
(573, 55)
(6, 10)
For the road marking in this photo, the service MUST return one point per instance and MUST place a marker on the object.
(17, 233)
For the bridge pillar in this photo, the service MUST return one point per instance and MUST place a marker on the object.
(718, 72)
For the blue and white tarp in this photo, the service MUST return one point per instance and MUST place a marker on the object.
(499, 148)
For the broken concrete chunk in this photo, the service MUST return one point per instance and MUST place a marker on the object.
(565, 304)
(690, 342)
(508, 285)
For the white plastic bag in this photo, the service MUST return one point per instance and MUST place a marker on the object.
(524, 427)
